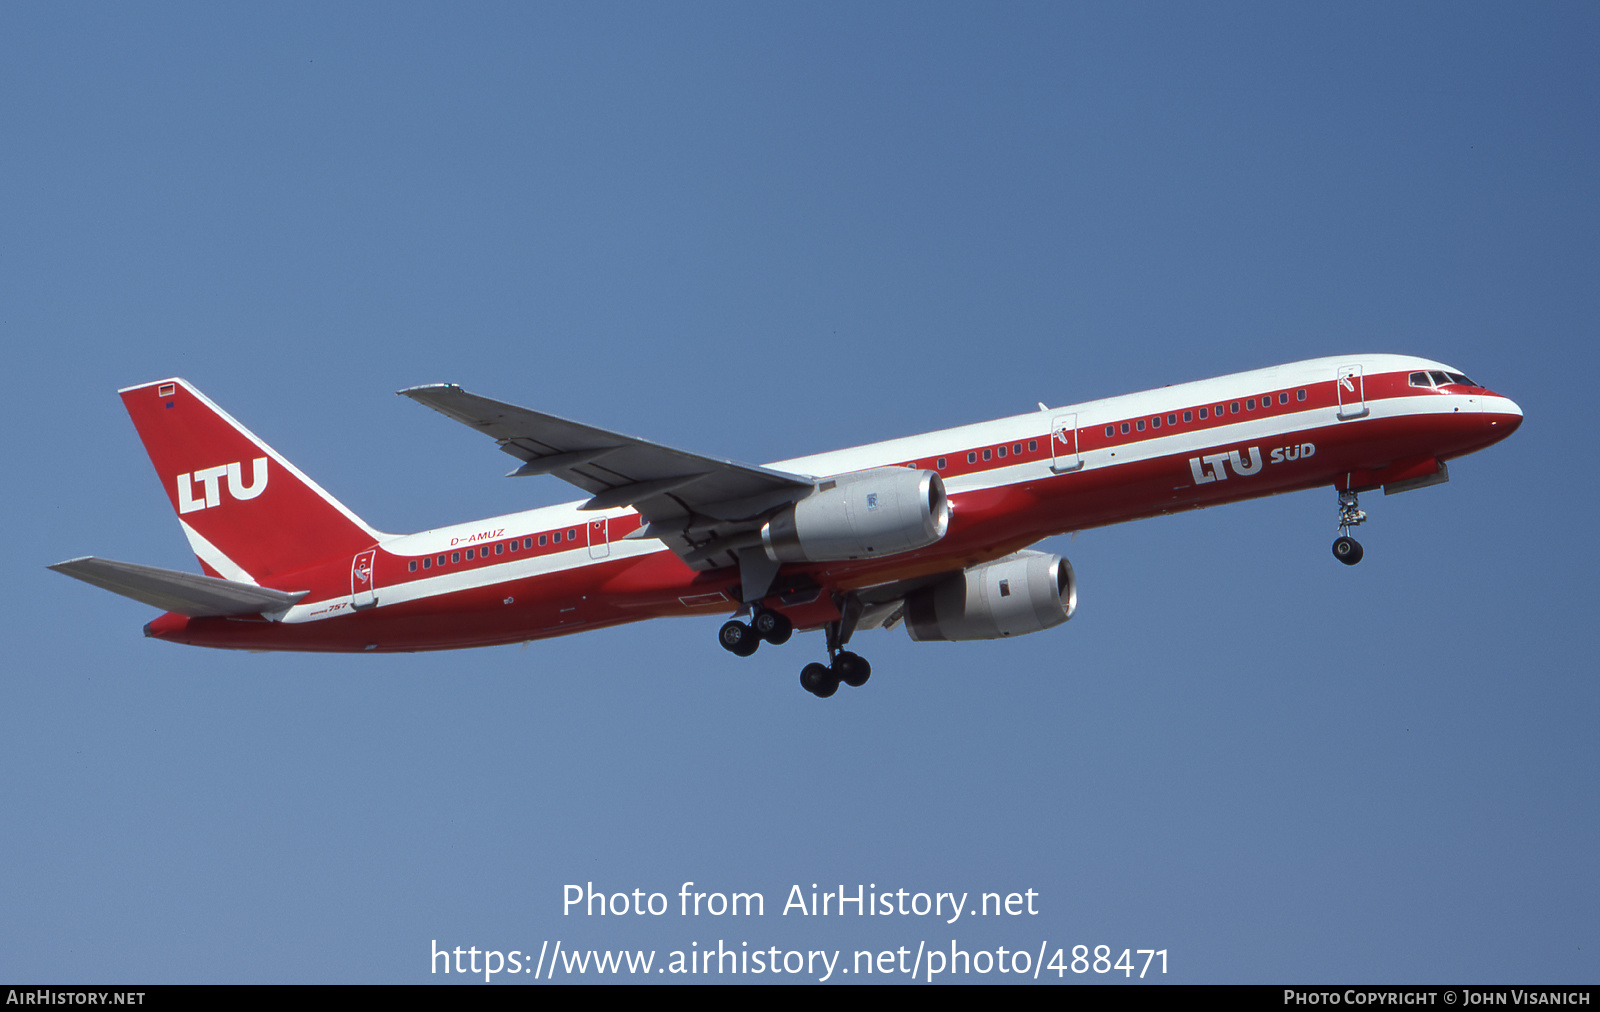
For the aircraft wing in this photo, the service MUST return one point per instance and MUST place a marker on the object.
(704, 508)
(185, 593)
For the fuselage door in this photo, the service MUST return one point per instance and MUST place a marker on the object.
(1352, 393)
(363, 587)
(1064, 444)
(599, 540)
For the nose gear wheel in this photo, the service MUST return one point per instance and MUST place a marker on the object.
(1345, 548)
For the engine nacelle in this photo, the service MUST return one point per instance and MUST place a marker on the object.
(863, 515)
(1018, 594)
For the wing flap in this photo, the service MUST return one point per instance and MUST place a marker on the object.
(185, 593)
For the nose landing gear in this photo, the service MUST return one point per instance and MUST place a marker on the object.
(1348, 550)
(1345, 548)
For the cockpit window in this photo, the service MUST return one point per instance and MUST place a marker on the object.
(1420, 379)
(1456, 377)
(1439, 378)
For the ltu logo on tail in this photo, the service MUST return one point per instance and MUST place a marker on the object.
(211, 480)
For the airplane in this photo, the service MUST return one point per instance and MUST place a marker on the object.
(929, 531)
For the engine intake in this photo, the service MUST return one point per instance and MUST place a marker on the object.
(862, 515)
(1018, 594)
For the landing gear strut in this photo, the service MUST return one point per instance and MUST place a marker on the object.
(1345, 548)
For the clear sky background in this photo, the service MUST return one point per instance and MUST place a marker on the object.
(760, 231)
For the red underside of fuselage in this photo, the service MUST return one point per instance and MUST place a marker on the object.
(985, 524)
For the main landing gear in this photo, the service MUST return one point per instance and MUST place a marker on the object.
(824, 679)
(821, 680)
(742, 639)
(1345, 548)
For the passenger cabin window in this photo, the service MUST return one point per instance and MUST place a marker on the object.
(1141, 425)
(528, 542)
(1111, 430)
(455, 556)
(1283, 398)
(1249, 405)
(941, 463)
(1188, 416)
(1300, 394)
(1173, 419)
(1124, 428)
(542, 539)
(500, 549)
(1001, 451)
(1155, 423)
(427, 563)
(412, 565)
(1234, 407)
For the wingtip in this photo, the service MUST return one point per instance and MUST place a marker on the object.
(425, 387)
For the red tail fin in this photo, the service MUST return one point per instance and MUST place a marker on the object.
(248, 513)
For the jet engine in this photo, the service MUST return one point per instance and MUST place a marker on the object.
(1018, 594)
(862, 515)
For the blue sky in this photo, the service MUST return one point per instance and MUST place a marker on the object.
(759, 232)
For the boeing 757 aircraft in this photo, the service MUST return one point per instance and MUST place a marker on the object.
(929, 531)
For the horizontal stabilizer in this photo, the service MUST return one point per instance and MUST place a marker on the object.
(185, 593)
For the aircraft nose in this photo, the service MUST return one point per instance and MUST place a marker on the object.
(1505, 415)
